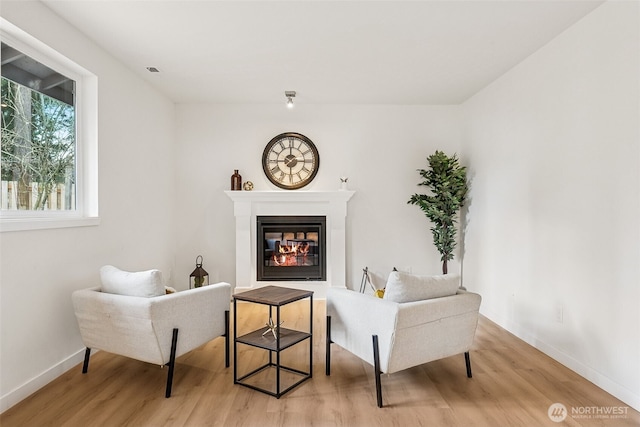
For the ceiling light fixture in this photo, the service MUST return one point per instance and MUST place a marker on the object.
(290, 94)
(153, 70)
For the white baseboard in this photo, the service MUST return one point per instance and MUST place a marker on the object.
(587, 372)
(36, 383)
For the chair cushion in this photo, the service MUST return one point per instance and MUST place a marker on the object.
(136, 284)
(404, 287)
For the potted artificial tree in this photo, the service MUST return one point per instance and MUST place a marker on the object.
(447, 181)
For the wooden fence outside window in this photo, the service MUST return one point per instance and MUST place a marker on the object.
(16, 196)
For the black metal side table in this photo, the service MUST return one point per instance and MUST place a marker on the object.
(272, 338)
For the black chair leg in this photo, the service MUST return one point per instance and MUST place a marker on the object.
(467, 360)
(226, 338)
(172, 361)
(328, 348)
(85, 365)
(376, 366)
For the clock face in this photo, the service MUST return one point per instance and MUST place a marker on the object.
(290, 160)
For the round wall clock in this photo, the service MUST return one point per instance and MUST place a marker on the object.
(290, 160)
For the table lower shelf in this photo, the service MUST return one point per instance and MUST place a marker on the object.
(258, 338)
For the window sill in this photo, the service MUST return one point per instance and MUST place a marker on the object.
(24, 224)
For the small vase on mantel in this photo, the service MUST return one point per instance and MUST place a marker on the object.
(236, 180)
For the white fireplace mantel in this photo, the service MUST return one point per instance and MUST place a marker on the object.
(250, 204)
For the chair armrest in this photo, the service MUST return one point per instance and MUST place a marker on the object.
(118, 324)
(355, 317)
(197, 313)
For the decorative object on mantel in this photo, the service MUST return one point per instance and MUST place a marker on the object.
(447, 181)
(343, 183)
(248, 186)
(236, 180)
(199, 277)
(290, 160)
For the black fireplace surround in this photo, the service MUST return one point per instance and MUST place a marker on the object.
(291, 248)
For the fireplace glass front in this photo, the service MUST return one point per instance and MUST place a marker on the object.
(291, 248)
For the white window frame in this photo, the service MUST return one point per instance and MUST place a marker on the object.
(86, 106)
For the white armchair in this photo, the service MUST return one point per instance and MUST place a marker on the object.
(156, 329)
(394, 336)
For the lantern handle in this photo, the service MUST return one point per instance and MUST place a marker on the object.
(199, 264)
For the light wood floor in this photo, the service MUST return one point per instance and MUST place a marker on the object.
(513, 384)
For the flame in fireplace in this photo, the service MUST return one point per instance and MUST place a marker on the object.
(288, 254)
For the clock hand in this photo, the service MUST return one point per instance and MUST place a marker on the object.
(288, 161)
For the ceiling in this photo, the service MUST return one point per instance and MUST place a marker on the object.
(330, 52)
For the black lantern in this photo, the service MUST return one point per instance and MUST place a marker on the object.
(199, 277)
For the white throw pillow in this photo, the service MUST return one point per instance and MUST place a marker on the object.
(404, 287)
(137, 284)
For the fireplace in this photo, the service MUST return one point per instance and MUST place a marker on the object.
(291, 248)
(248, 205)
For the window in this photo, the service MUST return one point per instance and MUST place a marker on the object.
(48, 162)
(38, 152)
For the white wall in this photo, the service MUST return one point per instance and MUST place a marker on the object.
(378, 147)
(553, 148)
(39, 269)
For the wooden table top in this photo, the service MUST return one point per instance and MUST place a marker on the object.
(273, 295)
